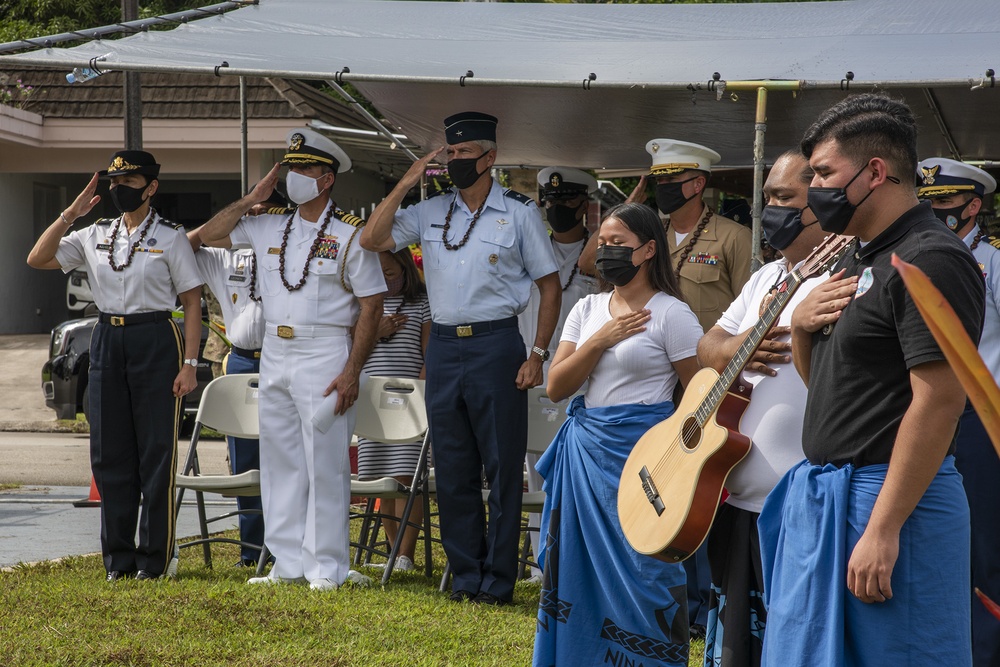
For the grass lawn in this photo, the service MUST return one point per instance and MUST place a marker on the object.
(63, 613)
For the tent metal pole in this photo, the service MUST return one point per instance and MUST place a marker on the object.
(244, 156)
(759, 128)
(363, 112)
(939, 119)
(81, 61)
(125, 26)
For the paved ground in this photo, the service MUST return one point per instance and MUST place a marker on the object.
(37, 519)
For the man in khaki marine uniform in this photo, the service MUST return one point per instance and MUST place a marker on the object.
(712, 253)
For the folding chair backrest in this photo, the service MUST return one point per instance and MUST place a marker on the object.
(229, 406)
(391, 410)
(544, 419)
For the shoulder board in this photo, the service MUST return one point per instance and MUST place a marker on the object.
(995, 242)
(172, 225)
(105, 221)
(517, 196)
(279, 210)
(352, 220)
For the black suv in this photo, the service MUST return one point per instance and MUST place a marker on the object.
(65, 375)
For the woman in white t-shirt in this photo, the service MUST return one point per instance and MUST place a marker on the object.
(632, 343)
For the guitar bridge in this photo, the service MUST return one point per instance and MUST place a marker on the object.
(652, 495)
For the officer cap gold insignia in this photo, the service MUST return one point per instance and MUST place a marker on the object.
(565, 183)
(943, 177)
(671, 156)
(308, 147)
(132, 162)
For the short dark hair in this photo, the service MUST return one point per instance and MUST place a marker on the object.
(867, 126)
(807, 173)
(642, 221)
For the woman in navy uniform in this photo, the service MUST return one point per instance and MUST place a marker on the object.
(139, 265)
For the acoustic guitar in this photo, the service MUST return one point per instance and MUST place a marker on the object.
(673, 479)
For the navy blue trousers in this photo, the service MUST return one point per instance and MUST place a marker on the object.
(134, 417)
(479, 420)
(979, 464)
(244, 455)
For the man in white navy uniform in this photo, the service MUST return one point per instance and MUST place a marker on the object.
(483, 247)
(956, 191)
(316, 283)
(231, 276)
(140, 367)
(565, 195)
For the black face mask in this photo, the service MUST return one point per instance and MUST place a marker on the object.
(953, 217)
(782, 225)
(562, 218)
(669, 197)
(832, 207)
(614, 263)
(463, 172)
(127, 199)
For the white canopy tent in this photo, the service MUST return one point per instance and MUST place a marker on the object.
(588, 85)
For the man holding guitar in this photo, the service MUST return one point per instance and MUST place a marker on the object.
(773, 420)
(865, 545)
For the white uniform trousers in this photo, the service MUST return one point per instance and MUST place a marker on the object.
(305, 475)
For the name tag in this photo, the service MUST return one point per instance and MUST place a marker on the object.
(437, 225)
(104, 246)
(274, 251)
(237, 277)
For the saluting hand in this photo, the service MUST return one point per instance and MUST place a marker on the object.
(84, 202)
(417, 169)
(265, 186)
(825, 303)
(619, 328)
(638, 195)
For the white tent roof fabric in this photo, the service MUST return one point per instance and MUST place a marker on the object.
(530, 62)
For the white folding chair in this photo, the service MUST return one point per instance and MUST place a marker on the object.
(392, 410)
(229, 406)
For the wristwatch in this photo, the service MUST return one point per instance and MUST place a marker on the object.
(191, 362)
(544, 354)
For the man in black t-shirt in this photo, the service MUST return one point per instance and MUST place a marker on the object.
(877, 510)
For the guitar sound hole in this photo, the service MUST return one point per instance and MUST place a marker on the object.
(690, 434)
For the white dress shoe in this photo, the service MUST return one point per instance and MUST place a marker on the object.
(323, 585)
(273, 579)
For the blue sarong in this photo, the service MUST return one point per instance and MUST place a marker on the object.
(809, 526)
(602, 602)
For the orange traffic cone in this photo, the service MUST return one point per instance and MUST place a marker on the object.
(92, 500)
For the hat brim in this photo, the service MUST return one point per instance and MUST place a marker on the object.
(144, 171)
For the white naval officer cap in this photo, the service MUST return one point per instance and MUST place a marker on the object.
(306, 147)
(943, 177)
(565, 182)
(671, 156)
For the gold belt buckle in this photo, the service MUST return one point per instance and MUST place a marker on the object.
(117, 320)
(464, 330)
(285, 331)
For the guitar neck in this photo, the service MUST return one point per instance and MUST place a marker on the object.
(750, 344)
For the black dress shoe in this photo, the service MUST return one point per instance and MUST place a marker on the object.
(462, 596)
(697, 631)
(115, 575)
(144, 575)
(489, 599)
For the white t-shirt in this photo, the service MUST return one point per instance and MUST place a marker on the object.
(637, 369)
(773, 420)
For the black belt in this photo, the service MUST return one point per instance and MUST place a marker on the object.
(246, 354)
(473, 329)
(135, 318)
